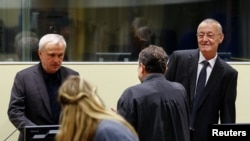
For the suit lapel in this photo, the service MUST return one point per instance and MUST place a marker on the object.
(42, 90)
(192, 63)
(216, 73)
(64, 74)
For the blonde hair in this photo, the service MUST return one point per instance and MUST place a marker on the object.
(82, 111)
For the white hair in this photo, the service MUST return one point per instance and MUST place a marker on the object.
(51, 38)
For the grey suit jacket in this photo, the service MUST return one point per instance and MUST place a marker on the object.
(29, 101)
(218, 101)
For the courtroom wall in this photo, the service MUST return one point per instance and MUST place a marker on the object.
(111, 79)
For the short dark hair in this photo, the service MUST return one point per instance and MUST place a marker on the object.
(154, 58)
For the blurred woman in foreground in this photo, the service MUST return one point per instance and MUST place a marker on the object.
(85, 118)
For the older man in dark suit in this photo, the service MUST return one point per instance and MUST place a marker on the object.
(217, 99)
(34, 93)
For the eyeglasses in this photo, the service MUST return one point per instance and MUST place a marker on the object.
(209, 35)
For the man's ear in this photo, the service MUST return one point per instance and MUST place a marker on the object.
(166, 71)
(221, 38)
(39, 52)
(143, 69)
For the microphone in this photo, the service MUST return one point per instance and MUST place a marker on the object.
(12, 133)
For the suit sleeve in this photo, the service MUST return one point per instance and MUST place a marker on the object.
(228, 111)
(17, 105)
(126, 107)
(171, 67)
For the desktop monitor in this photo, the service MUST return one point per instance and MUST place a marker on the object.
(40, 132)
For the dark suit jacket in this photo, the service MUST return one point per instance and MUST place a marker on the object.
(218, 100)
(157, 109)
(29, 102)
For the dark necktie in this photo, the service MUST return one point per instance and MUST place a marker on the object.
(199, 88)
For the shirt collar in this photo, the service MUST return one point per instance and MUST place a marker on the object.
(211, 61)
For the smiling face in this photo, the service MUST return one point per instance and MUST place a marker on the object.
(209, 36)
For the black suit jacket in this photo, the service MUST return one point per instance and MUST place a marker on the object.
(29, 103)
(157, 109)
(218, 100)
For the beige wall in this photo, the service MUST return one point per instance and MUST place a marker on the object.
(111, 79)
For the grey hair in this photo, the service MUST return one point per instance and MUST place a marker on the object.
(51, 38)
(211, 20)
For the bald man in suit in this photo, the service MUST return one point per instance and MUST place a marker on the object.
(217, 100)
(33, 98)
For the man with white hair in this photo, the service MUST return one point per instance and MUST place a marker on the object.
(33, 98)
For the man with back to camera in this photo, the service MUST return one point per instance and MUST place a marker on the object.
(217, 99)
(33, 98)
(156, 108)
